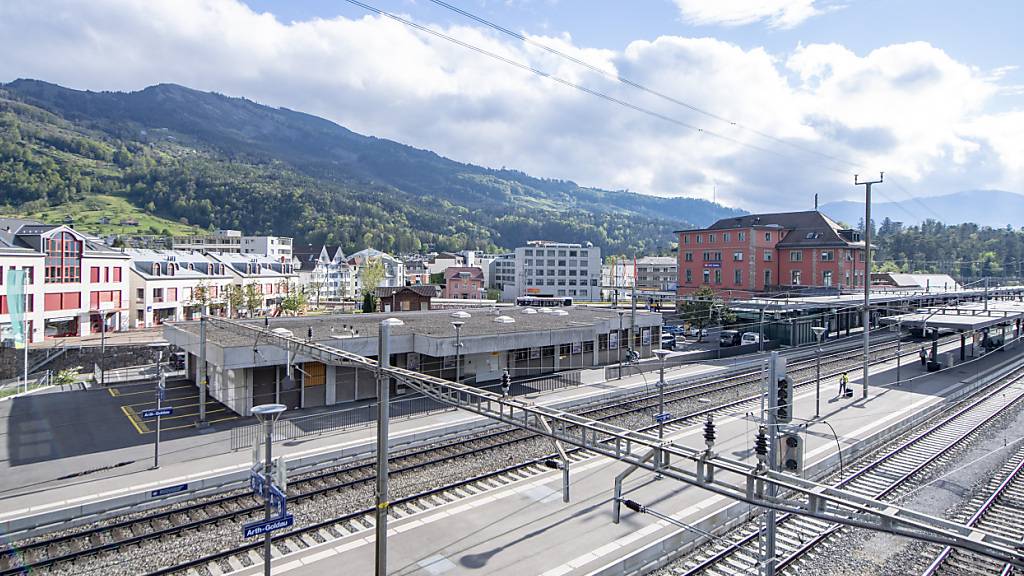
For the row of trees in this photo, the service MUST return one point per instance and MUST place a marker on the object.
(964, 251)
(250, 298)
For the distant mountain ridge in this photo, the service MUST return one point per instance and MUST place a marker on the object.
(232, 163)
(995, 208)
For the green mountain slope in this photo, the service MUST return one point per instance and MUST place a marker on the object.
(208, 160)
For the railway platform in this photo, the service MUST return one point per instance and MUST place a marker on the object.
(524, 528)
(87, 478)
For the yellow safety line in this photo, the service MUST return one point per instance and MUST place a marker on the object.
(113, 391)
(170, 403)
(129, 413)
(164, 429)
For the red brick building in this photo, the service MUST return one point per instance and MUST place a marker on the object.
(768, 253)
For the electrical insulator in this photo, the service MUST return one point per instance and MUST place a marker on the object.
(761, 445)
(709, 432)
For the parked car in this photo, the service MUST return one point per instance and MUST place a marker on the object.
(729, 338)
(668, 342)
(750, 338)
(698, 332)
(673, 330)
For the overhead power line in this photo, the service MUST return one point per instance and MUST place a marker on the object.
(576, 86)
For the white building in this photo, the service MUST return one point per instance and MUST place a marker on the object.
(481, 260)
(501, 276)
(165, 286)
(233, 242)
(394, 269)
(558, 269)
(326, 271)
(74, 284)
(271, 277)
(438, 263)
(660, 273)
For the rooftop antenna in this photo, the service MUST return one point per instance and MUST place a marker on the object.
(815, 202)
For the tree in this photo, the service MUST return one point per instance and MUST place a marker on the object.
(369, 302)
(313, 288)
(253, 298)
(295, 302)
(493, 294)
(704, 307)
(236, 299)
(201, 296)
(372, 274)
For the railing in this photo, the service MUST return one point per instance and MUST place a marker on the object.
(51, 354)
(317, 424)
(12, 386)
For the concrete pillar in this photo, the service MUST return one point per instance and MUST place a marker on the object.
(596, 352)
(331, 391)
(558, 357)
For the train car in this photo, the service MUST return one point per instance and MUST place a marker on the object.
(543, 301)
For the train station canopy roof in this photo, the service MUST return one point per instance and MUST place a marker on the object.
(967, 317)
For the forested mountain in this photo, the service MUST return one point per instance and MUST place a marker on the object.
(217, 162)
(966, 251)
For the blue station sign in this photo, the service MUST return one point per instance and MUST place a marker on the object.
(168, 490)
(264, 526)
(153, 413)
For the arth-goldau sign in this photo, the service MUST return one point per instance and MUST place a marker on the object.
(264, 526)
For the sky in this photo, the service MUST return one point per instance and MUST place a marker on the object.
(759, 104)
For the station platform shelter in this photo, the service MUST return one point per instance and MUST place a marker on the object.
(789, 320)
(983, 327)
(244, 371)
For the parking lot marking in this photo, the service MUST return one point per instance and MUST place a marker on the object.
(133, 418)
(113, 391)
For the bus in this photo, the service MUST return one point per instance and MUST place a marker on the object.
(542, 301)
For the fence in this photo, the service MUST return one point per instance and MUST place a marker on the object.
(612, 371)
(12, 386)
(316, 424)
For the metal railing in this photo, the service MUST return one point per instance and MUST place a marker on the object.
(288, 429)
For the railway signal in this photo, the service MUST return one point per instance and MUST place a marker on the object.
(783, 399)
(791, 453)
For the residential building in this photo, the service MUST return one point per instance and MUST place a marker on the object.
(233, 242)
(658, 273)
(416, 273)
(405, 298)
(74, 284)
(394, 269)
(481, 260)
(172, 285)
(558, 269)
(325, 271)
(771, 253)
(464, 282)
(437, 263)
(502, 276)
(617, 278)
(271, 277)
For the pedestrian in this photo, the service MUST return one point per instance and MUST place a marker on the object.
(924, 356)
(844, 382)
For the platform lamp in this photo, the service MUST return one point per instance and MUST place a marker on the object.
(458, 324)
(819, 331)
(619, 344)
(661, 353)
(267, 414)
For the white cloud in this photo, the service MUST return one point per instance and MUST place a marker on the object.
(909, 109)
(777, 13)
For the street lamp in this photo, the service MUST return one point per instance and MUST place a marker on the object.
(899, 341)
(819, 331)
(457, 324)
(267, 414)
(661, 354)
(619, 344)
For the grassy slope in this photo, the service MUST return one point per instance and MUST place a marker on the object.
(88, 212)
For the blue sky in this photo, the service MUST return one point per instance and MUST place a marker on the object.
(929, 92)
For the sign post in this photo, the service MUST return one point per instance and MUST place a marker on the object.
(263, 485)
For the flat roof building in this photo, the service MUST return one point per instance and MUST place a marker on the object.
(243, 371)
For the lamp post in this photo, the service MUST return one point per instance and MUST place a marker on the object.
(661, 354)
(899, 341)
(457, 324)
(383, 497)
(819, 331)
(619, 344)
(267, 414)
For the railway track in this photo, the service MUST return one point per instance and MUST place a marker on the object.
(997, 509)
(351, 485)
(885, 477)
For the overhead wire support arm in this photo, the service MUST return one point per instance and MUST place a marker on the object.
(724, 476)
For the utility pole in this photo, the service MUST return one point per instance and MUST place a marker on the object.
(383, 414)
(867, 272)
(776, 370)
(618, 344)
(202, 368)
(632, 317)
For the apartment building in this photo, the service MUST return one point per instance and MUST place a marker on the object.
(394, 269)
(768, 253)
(325, 270)
(464, 282)
(172, 285)
(74, 284)
(234, 242)
(545, 268)
(271, 277)
(502, 275)
(658, 273)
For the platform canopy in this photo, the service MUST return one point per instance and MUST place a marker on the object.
(967, 317)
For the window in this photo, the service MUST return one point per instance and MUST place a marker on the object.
(707, 276)
(688, 257)
(795, 255)
(767, 236)
(94, 274)
(737, 256)
(117, 274)
(767, 278)
(711, 238)
(689, 276)
(63, 258)
(742, 236)
(827, 255)
(718, 276)
(767, 255)
(795, 276)
(572, 253)
(528, 252)
(551, 262)
(826, 278)
(698, 239)
(686, 239)
(737, 277)
(726, 237)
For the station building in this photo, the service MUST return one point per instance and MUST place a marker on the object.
(242, 371)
